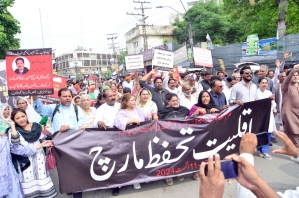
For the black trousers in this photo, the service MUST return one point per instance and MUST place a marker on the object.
(77, 195)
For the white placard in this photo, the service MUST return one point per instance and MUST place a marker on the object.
(134, 63)
(180, 55)
(202, 57)
(163, 59)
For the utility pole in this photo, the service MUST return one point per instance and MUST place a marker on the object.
(142, 8)
(112, 45)
(41, 26)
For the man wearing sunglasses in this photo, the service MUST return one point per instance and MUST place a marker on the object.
(244, 90)
(217, 94)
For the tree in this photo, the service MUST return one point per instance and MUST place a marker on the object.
(265, 17)
(121, 57)
(9, 27)
(208, 18)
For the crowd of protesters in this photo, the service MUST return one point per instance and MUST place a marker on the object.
(133, 99)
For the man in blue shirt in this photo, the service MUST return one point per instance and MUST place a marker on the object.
(217, 94)
(66, 117)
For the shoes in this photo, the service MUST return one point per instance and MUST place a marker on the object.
(265, 156)
(270, 144)
(196, 176)
(273, 140)
(169, 182)
(137, 186)
(69, 194)
(115, 191)
(180, 178)
(295, 159)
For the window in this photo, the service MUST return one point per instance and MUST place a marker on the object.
(79, 55)
(86, 55)
(135, 44)
(70, 55)
(93, 62)
(104, 62)
(104, 56)
(86, 62)
(99, 56)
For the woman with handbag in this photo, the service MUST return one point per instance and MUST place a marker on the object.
(33, 175)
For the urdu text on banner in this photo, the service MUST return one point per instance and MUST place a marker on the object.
(163, 59)
(29, 72)
(153, 150)
(202, 57)
(134, 63)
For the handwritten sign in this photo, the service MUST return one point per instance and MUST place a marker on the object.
(58, 83)
(29, 72)
(180, 55)
(202, 57)
(153, 150)
(134, 63)
(163, 59)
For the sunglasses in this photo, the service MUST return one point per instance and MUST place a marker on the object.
(248, 73)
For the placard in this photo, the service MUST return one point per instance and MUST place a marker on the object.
(180, 55)
(163, 59)
(134, 63)
(58, 83)
(29, 72)
(202, 57)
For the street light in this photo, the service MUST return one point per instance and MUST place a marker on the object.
(189, 26)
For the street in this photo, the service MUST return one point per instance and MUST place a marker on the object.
(280, 173)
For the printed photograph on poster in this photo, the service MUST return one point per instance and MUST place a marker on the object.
(163, 60)
(202, 57)
(134, 63)
(29, 72)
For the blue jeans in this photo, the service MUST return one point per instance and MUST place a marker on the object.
(265, 149)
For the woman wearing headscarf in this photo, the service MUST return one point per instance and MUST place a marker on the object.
(33, 116)
(173, 108)
(88, 111)
(34, 177)
(10, 186)
(145, 103)
(205, 105)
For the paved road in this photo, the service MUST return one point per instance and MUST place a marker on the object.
(280, 173)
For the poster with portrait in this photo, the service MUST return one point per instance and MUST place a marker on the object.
(29, 72)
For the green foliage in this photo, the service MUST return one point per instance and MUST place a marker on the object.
(121, 57)
(206, 18)
(9, 27)
(233, 20)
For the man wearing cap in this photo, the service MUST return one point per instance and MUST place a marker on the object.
(128, 83)
(196, 87)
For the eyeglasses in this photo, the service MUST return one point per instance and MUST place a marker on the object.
(220, 86)
(248, 73)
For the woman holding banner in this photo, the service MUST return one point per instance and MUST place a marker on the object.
(129, 114)
(172, 110)
(31, 166)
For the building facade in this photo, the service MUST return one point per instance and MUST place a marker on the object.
(83, 62)
(156, 35)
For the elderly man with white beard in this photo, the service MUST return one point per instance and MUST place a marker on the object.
(186, 98)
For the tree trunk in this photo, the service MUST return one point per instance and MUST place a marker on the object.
(282, 13)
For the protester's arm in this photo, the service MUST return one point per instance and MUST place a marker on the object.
(233, 97)
(285, 84)
(45, 110)
(289, 148)
(165, 82)
(28, 150)
(98, 118)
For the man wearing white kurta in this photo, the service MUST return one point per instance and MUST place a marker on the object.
(106, 113)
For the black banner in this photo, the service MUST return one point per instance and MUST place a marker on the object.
(96, 159)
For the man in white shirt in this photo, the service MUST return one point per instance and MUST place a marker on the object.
(169, 84)
(187, 99)
(106, 113)
(227, 87)
(196, 87)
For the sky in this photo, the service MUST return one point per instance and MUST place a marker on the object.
(67, 24)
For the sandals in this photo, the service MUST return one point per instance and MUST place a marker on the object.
(196, 176)
(180, 178)
(169, 182)
(265, 156)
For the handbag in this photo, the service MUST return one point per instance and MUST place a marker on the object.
(50, 159)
